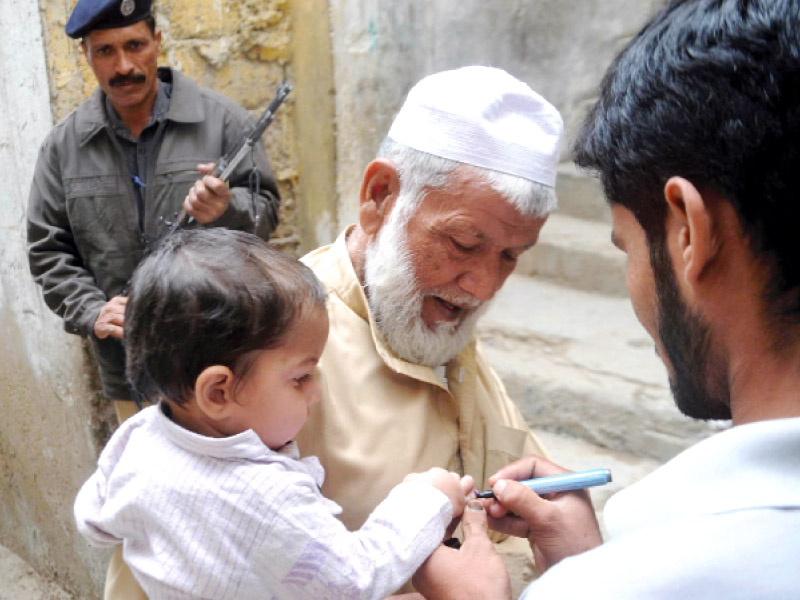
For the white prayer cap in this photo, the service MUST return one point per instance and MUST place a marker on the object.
(484, 117)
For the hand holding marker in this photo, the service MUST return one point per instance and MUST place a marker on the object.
(566, 482)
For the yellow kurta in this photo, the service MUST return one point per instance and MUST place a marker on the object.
(381, 417)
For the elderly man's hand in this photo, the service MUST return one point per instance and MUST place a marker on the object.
(557, 525)
(208, 198)
(475, 571)
(111, 320)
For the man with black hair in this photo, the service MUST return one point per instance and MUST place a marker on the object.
(696, 138)
(117, 170)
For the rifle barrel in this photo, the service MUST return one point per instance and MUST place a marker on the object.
(228, 163)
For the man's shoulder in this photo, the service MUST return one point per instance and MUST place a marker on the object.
(218, 98)
(81, 121)
(315, 259)
(209, 97)
(333, 267)
(66, 129)
(331, 262)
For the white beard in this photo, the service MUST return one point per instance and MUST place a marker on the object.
(396, 302)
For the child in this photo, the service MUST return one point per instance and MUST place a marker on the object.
(205, 490)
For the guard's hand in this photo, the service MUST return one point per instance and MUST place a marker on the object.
(475, 571)
(208, 198)
(111, 320)
(556, 525)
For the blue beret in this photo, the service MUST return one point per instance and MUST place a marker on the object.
(105, 14)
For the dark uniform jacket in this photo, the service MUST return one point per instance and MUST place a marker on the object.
(84, 238)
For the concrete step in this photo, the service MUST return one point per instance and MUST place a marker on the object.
(580, 364)
(577, 253)
(579, 195)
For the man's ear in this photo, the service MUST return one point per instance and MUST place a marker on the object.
(158, 41)
(693, 221)
(379, 190)
(213, 392)
(85, 49)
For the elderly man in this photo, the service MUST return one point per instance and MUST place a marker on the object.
(460, 189)
(696, 137)
(112, 175)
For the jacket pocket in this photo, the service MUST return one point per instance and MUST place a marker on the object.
(173, 180)
(103, 223)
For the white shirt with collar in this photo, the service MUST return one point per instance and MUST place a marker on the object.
(720, 520)
(229, 518)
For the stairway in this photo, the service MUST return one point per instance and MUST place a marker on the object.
(563, 338)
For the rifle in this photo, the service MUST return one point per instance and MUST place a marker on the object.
(227, 164)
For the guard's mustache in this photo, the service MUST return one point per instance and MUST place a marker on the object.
(127, 78)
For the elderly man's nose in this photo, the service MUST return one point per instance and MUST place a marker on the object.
(481, 281)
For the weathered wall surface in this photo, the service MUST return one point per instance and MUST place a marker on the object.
(49, 427)
(312, 65)
(559, 47)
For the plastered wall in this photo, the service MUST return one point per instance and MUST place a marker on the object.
(50, 423)
(380, 49)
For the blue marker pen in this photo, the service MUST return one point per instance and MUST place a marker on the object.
(566, 482)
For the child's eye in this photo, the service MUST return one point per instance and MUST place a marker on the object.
(303, 378)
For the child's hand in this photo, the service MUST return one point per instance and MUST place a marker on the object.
(455, 487)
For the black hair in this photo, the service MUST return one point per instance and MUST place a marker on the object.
(209, 297)
(709, 90)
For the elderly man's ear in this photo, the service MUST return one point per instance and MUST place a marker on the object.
(379, 190)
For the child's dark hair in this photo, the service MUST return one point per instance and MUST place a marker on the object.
(209, 297)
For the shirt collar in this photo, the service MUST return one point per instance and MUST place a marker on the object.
(160, 107)
(748, 466)
(185, 105)
(242, 446)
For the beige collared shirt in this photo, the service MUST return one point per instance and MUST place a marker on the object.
(381, 417)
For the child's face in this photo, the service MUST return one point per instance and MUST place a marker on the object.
(278, 390)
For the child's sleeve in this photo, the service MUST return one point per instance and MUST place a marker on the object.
(308, 553)
(87, 509)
